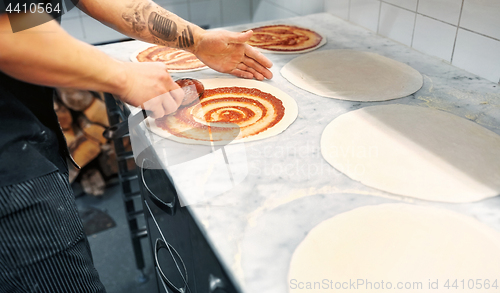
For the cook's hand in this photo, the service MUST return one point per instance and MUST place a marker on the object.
(150, 86)
(227, 52)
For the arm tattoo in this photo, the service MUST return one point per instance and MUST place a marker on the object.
(162, 27)
(186, 39)
(135, 18)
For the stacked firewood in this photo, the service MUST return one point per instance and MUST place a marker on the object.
(83, 118)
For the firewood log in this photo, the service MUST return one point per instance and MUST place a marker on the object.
(83, 150)
(92, 130)
(76, 100)
(96, 113)
(70, 135)
(93, 182)
(107, 160)
(63, 115)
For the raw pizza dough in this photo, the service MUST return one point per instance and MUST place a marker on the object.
(170, 58)
(291, 111)
(352, 75)
(397, 243)
(286, 39)
(415, 151)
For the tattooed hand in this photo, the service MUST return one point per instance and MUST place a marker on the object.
(227, 52)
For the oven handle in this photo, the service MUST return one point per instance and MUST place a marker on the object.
(168, 207)
(159, 244)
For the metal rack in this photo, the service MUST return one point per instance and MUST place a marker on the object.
(117, 113)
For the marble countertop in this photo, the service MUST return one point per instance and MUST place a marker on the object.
(286, 187)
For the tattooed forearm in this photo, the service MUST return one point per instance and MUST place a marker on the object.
(162, 27)
(151, 23)
(186, 38)
(135, 18)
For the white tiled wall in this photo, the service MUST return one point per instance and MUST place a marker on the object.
(482, 16)
(406, 4)
(365, 13)
(278, 9)
(338, 8)
(95, 32)
(206, 13)
(396, 23)
(264, 10)
(477, 54)
(311, 6)
(73, 24)
(434, 37)
(465, 33)
(443, 10)
(236, 12)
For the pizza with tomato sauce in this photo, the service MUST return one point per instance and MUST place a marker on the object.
(286, 39)
(175, 59)
(229, 111)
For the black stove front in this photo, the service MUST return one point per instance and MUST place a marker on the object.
(184, 261)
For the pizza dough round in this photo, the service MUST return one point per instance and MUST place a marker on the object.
(289, 104)
(404, 246)
(352, 75)
(286, 39)
(415, 151)
(172, 56)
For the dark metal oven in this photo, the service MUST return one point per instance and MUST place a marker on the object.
(184, 260)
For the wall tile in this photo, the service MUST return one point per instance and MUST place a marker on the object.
(408, 4)
(299, 7)
(477, 54)
(236, 12)
(285, 3)
(294, 6)
(264, 11)
(311, 6)
(255, 6)
(434, 37)
(74, 12)
(396, 23)
(206, 13)
(482, 16)
(74, 27)
(96, 32)
(444, 10)
(181, 9)
(338, 8)
(365, 13)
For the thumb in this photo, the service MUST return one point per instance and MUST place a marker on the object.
(241, 37)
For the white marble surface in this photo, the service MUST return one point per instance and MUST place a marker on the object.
(256, 225)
